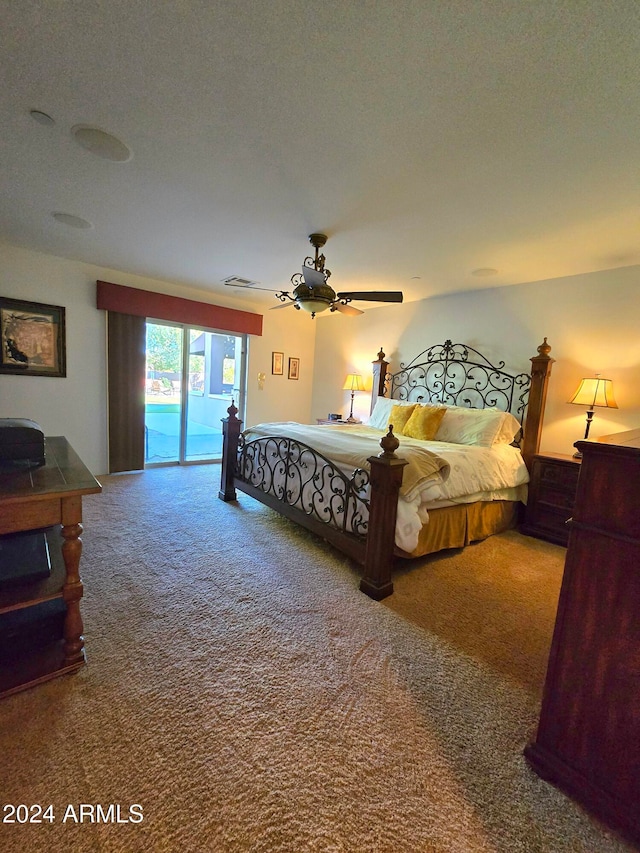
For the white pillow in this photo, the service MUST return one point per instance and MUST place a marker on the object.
(509, 429)
(462, 425)
(379, 417)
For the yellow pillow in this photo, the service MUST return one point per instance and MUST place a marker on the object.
(399, 416)
(424, 422)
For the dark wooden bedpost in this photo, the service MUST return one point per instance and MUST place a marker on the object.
(230, 434)
(387, 471)
(379, 370)
(540, 373)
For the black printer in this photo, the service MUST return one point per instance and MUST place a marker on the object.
(21, 444)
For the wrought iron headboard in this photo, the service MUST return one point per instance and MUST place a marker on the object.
(457, 374)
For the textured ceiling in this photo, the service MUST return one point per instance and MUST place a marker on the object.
(427, 138)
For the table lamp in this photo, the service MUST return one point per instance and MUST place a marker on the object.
(593, 392)
(353, 383)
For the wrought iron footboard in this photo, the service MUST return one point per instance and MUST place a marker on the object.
(299, 477)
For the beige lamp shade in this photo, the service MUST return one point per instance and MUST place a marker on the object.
(595, 392)
(591, 392)
(353, 382)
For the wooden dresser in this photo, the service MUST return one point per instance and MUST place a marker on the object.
(40, 622)
(588, 740)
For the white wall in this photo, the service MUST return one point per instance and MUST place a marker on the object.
(292, 333)
(76, 406)
(591, 322)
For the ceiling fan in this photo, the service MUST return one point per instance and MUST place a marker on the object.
(313, 294)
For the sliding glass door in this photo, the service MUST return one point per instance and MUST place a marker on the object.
(192, 376)
(213, 378)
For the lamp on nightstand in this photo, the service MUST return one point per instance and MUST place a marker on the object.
(353, 383)
(593, 392)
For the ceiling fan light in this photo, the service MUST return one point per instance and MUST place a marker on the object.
(313, 306)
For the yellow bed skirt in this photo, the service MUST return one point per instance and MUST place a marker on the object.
(457, 526)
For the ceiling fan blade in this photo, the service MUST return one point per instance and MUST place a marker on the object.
(283, 305)
(312, 277)
(373, 295)
(348, 310)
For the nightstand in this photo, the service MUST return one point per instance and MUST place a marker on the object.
(552, 494)
(327, 421)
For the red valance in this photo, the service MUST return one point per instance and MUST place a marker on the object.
(159, 306)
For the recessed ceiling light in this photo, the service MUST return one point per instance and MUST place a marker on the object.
(101, 143)
(482, 271)
(72, 221)
(42, 118)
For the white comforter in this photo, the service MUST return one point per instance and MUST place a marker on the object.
(438, 474)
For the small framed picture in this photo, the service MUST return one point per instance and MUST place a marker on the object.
(294, 368)
(32, 338)
(277, 363)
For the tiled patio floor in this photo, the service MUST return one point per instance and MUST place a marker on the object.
(162, 439)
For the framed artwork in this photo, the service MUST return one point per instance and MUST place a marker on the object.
(32, 338)
(277, 363)
(294, 368)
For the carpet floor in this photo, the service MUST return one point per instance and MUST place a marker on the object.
(246, 696)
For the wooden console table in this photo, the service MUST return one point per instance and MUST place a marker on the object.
(47, 499)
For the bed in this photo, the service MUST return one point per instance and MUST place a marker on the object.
(442, 461)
